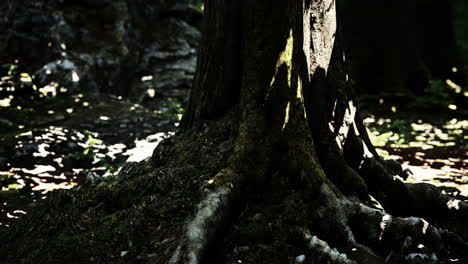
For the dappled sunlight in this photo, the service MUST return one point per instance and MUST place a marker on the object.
(453, 204)
(347, 122)
(147, 78)
(58, 139)
(455, 87)
(144, 148)
(284, 60)
(286, 116)
(445, 177)
(435, 151)
(5, 102)
(383, 224)
(403, 133)
(285, 57)
(58, 158)
(322, 33)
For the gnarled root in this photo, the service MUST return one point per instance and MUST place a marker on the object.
(400, 239)
(406, 238)
(321, 252)
(211, 217)
(343, 231)
(413, 199)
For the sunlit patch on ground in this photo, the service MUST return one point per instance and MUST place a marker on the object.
(439, 177)
(91, 141)
(418, 134)
(436, 152)
(144, 148)
(442, 167)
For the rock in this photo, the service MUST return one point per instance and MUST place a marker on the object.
(300, 259)
(104, 46)
(91, 178)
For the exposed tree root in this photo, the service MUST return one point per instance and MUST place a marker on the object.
(321, 252)
(404, 236)
(211, 216)
(341, 231)
(413, 199)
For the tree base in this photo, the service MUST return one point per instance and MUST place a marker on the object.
(174, 213)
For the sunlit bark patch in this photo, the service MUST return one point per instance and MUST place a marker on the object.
(453, 204)
(383, 224)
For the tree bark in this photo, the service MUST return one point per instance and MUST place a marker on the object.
(288, 90)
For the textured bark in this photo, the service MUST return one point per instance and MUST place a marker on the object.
(218, 64)
(281, 73)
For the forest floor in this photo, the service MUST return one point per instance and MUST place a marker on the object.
(61, 142)
(430, 141)
(64, 141)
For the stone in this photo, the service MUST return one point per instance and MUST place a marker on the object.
(105, 47)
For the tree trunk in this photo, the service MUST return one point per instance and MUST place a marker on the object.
(278, 70)
(405, 51)
(271, 158)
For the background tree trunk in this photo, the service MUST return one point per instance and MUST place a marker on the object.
(397, 49)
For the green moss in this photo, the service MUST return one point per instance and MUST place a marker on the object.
(146, 203)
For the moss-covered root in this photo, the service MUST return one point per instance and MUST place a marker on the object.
(211, 217)
(333, 223)
(364, 233)
(414, 199)
(407, 239)
(321, 252)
